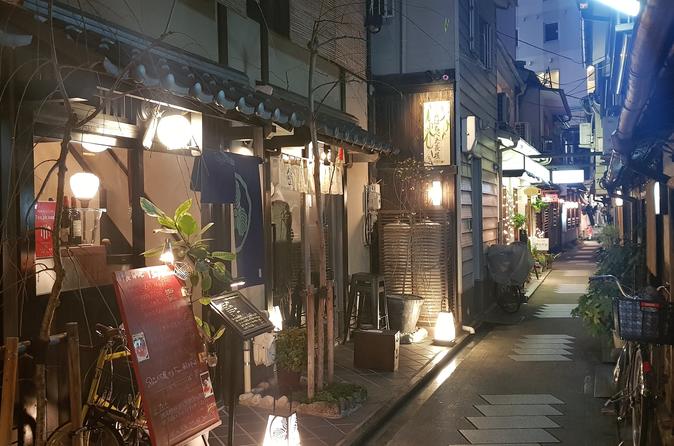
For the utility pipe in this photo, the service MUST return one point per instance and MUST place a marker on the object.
(650, 47)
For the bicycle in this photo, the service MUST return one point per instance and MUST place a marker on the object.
(109, 418)
(634, 400)
(510, 297)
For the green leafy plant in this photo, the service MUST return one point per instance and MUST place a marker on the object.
(291, 350)
(538, 205)
(627, 262)
(332, 393)
(519, 220)
(196, 263)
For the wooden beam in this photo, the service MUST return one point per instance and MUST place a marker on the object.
(300, 138)
(9, 373)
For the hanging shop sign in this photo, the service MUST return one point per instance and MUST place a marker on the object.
(174, 381)
(45, 213)
(248, 233)
(437, 133)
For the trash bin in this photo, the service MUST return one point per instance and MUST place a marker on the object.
(404, 311)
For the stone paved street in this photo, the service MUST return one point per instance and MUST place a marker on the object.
(526, 383)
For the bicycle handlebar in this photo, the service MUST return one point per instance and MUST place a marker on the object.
(609, 278)
(108, 332)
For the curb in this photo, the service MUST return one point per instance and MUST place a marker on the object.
(530, 291)
(362, 431)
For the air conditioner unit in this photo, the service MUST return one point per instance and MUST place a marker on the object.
(523, 131)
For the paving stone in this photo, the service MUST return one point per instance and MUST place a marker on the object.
(507, 436)
(516, 409)
(522, 398)
(513, 422)
(539, 358)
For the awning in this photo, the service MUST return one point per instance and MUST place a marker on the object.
(516, 163)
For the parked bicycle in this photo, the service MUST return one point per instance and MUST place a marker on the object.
(509, 267)
(641, 321)
(112, 415)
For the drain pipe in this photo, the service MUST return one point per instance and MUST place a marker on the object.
(649, 50)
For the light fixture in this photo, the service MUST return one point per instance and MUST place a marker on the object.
(84, 186)
(617, 200)
(656, 197)
(282, 431)
(435, 193)
(237, 283)
(276, 318)
(628, 7)
(97, 143)
(150, 131)
(174, 131)
(445, 331)
(167, 253)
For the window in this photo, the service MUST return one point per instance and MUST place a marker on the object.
(486, 44)
(471, 24)
(551, 32)
(383, 8)
(274, 14)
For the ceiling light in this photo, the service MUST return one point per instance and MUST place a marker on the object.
(97, 143)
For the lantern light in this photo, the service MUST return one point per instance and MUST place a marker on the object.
(435, 193)
(167, 254)
(445, 331)
(174, 131)
(282, 431)
(656, 197)
(84, 186)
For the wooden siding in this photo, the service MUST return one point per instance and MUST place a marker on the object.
(478, 98)
(344, 18)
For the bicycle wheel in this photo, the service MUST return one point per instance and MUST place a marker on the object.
(509, 299)
(639, 402)
(97, 434)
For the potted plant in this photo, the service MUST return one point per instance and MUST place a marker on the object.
(291, 356)
(518, 222)
(538, 205)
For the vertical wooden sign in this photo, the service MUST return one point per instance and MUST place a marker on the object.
(175, 383)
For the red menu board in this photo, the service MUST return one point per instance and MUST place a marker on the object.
(175, 384)
(45, 212)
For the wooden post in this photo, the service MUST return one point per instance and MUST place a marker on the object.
(311, 347)
(320, 339)
(331, 331)
(74, 381)
(8, 388)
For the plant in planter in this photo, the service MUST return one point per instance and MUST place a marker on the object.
(519, 220)
(291, 356)
(539, 205)
(192, 262)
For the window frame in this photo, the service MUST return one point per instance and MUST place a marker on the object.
(545, 32)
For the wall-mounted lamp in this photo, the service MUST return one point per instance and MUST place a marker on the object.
(84, 186)
(174, 131)
(167, 253)
(445, 330)
(97, 143)
(435, 193)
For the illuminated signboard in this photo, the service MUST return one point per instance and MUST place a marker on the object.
(568, 176)
(437, 133)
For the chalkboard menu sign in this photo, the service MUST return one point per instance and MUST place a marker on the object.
(174, 382)
(241, 315)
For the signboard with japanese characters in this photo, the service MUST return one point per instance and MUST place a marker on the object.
(437, 133)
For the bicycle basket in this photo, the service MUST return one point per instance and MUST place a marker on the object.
(643, 320)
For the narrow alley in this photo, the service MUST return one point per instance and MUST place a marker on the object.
(531, 382)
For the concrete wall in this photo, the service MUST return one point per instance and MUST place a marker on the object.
(419, 37)
(531, 17)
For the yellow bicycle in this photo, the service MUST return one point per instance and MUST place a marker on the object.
(110, 417)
